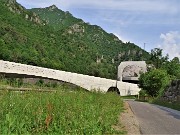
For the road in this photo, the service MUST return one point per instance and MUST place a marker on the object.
(154, 119)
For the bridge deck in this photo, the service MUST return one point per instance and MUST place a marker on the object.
(85, 81)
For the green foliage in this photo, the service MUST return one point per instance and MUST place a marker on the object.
(143, 93)
(15, 82)
(63, 112)
(156, 58)
(173, 68)
(173, 105)
(154, 81)
(40, 82)
(56, 17)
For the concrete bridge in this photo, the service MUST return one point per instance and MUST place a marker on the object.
(90, 83)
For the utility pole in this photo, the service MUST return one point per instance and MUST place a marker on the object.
(144, 46)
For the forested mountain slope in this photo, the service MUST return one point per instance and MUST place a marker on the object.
(50, 37)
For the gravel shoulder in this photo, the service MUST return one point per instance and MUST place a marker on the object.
(128, 121)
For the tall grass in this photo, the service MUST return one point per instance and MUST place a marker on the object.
(62, 112)
(173, 105)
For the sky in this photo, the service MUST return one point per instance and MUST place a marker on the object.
(147, 23)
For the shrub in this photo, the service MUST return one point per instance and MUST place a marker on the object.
(154, 81)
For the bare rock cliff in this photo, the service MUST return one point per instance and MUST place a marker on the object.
(172, 92)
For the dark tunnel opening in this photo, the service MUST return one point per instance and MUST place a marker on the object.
(114, 89)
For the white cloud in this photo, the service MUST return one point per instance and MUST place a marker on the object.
(170, 43)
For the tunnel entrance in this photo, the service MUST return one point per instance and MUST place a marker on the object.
(114, 89)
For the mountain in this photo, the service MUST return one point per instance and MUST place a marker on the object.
(52, 38)
(56, 17)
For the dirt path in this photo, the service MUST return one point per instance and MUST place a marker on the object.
(128, 121)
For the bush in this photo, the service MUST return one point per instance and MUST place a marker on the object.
(154, 81)
(143, 93)
(40, 83)
(173, 105)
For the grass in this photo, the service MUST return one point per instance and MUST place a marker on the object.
(129, 97)
(173, 105)
(158, 101)
(63, 112)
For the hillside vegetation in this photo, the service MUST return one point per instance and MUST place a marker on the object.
(55, 39)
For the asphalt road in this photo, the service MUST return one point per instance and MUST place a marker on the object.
(154, 119)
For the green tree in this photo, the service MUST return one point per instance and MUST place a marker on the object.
(173, 68)
(154, 81)
(157, 59)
